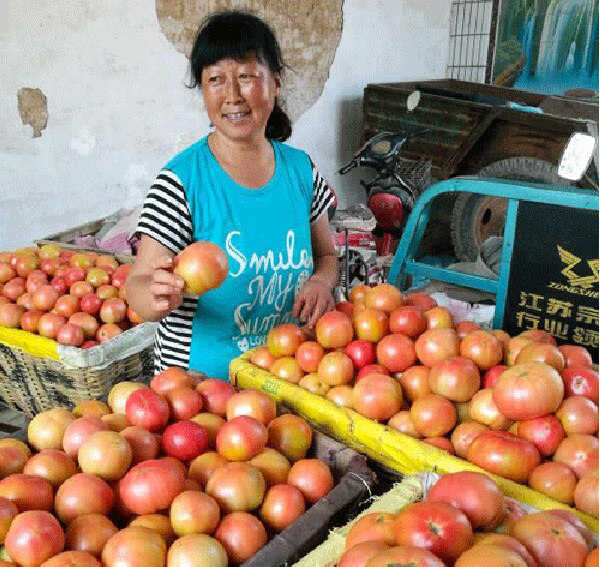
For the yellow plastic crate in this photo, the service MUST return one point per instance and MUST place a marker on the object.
(383, 444)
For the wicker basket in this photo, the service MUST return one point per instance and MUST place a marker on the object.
(38, 374)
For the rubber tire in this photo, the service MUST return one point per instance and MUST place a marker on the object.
(476, 217)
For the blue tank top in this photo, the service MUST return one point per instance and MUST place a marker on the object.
(266, 234)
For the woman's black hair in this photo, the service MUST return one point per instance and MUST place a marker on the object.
(236, 34)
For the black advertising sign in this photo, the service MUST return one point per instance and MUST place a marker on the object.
(553, 283)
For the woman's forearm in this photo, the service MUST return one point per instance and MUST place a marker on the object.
(327, 270)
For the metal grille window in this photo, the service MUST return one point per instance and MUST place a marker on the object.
(472, 39)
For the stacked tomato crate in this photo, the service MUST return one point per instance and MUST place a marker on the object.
(183, 471)
(394, 377)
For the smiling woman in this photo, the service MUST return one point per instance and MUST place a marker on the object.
(246, 191)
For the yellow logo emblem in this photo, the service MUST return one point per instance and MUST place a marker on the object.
(575, 279)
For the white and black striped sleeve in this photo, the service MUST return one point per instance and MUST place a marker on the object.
(165, 215)
(323, 195)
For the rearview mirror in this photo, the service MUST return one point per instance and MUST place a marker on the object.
(412, 101)
(576, 156)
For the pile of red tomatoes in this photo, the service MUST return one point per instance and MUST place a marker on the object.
(520, 407)
(465, 520)
(181, 472)
(73, 297)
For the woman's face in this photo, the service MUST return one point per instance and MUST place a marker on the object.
(239, 97)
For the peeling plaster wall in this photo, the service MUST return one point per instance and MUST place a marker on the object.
(117, 108)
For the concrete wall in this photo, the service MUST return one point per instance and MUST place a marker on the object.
(117, 107)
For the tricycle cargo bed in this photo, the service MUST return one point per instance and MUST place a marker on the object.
(470, 125)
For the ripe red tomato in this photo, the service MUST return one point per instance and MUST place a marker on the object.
(80, 494)
(215, 394)
(384, 296)
(377, 396)
(550, 539)
(290, 435)
(361, 353)
(336, 368)
(254, 403)
(242, 535)
(371, 369)
(415, 382)
(405, 555)
(492, 374)
(312, 477)
(420, 300)
(541, 352)
(545, 432)
(184, 440)
(372, 526)
(580, 452)
(576, 355)
(285, 339)
(334, 329)
(483, 348)
(581, 381)
(578, 414)
(282, 505)
(202, 265)
(237, 486)
(184, 402)
(433, 415)
(435, 526)
(144, 444)
(528, 390)
(476, 494)
(151, 486)
(308, 355)
(170, 378)
(148, 409)
(346, 307)
(555, 480)
(396, 352)
(504, 454)
(241, 438)
(455, 378)
(370, 324)
(435, 345)
(408, 320)
(34, 537)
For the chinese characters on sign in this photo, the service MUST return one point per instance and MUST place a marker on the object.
(553, 282)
